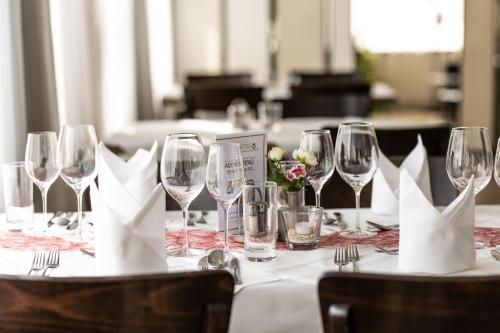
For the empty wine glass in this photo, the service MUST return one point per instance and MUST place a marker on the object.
(225, 177)
(77, 161)
(41, 167)
(497, 164)
(183, 175)
(356, 160)
(320, 143)
(469, 154)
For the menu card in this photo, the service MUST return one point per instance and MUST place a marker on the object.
(253, 146)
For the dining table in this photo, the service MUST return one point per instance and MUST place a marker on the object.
(286, 133)
(275, 296)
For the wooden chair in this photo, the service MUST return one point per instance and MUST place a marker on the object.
(410, 304)
(220, 80)
(219, 98)
(323, 105)
(182, 302)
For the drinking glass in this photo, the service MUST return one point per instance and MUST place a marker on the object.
(270, 115)
(18, 197)
(182, 172)
(497, 164)
(225, 177)
(469, 154)
(77, 161)
(320, 143)
(40, 164)
(356, 160)
(260, 219)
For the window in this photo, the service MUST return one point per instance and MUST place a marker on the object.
(408, 25)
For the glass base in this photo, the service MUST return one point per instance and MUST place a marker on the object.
(302, 246)
(185, 252)
(357, 233)
(260, 254)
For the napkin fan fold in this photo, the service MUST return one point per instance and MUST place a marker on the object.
(385, 189)
(431, 241)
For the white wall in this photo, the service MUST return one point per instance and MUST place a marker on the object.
(12, 107)
(247, 28)
(197, 39)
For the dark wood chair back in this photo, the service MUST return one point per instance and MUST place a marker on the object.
(181, 302)
(219, 98)
(401, 141)
(335, 105)
(221, 80)
(301, 78)
(380, 303)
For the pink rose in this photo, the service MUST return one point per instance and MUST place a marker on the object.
(298, 171)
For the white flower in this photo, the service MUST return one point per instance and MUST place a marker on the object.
(305, 156)
(276, 154)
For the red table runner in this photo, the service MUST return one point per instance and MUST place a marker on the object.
(206, 239)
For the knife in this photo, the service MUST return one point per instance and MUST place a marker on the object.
(235, 266)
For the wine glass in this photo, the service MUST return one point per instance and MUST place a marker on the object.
(225, 177)
(77, 161)
(320, 143)
(469, 154)
(182, 172)
(40, 164)
(497, 164)
(356, 160)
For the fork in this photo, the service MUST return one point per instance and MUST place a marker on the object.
(38, 262)
(52, 261)
(352, 255)
(340, 258)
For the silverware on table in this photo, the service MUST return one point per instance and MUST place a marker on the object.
(38, 263)
(235, 266)
(334, 222)
(340, 258)
(382, 227)
(203, 264)
(88, 253)
(218, 259)
(392, 252)
(352, 255)
(52, 261)
(203, 218)
(495, 254)
(54, 219)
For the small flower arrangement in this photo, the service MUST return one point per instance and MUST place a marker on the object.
(290, 171)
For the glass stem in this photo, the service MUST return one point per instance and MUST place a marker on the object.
(358, 195)
(226, 230)
(79, 197)
(45, 219)
(185, 245)
(318, 198)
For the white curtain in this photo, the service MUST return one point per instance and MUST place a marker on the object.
(12, 112)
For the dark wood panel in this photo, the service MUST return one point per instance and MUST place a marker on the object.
(184, 302)
(381, 303)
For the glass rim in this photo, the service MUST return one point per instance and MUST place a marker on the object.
(466, 128)
(222, 144)
(255, 183)
(357, 123)
(315, 209)
(15, 164)
(317, 131)
(183, 134)
(77, 126)
(41, 132)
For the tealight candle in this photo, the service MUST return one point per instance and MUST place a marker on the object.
(304, 228)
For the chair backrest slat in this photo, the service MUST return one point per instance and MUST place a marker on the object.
(381, 303)
(181, 302)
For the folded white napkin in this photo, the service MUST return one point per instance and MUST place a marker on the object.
(138, 175)
(431, 241)
(129, 210)
(385, 189)
(129, 235)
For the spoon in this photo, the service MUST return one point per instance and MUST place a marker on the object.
(61, 218)
(203, 264)
(382, 227)
(218, 259)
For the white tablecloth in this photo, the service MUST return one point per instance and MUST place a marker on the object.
(278, 296)
(142, 134)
